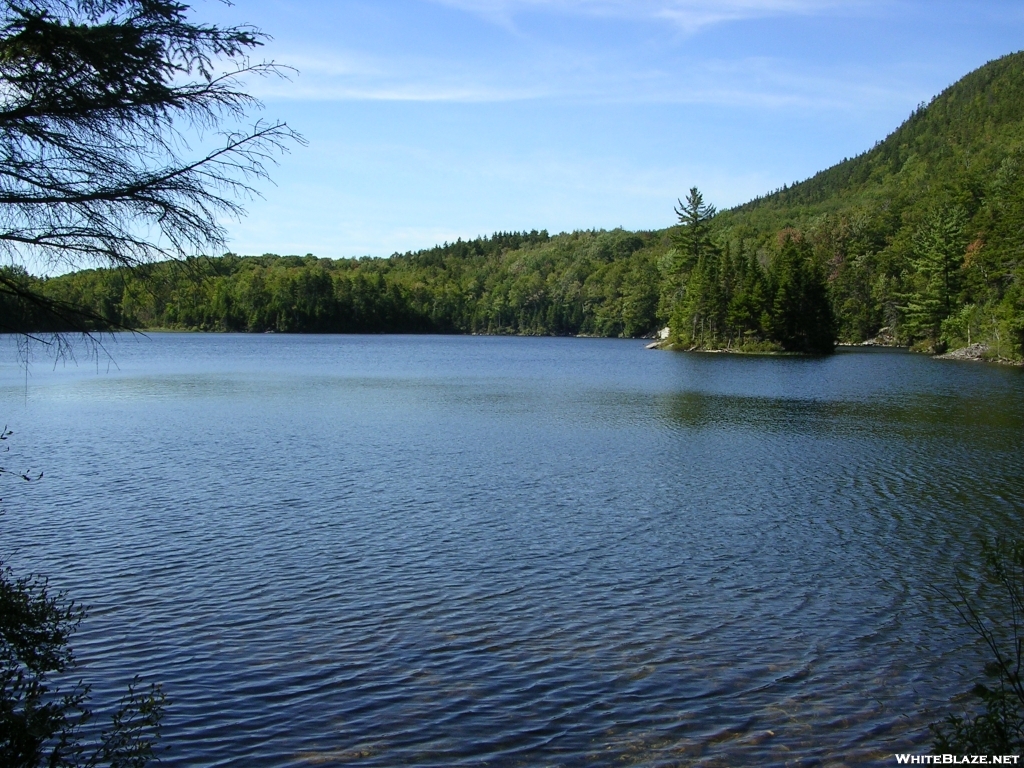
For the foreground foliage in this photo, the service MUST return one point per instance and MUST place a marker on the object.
(43, 722)
(995, 612)
(98, 99)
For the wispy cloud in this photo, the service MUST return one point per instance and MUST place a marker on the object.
(592, 67)
(688, 15)
(333, 76)
(765, 82)
(752, 82)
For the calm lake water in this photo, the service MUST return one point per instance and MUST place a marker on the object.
(468, 551)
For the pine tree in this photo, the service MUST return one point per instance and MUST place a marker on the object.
(692, 284)
(939, 247)
(694, 238)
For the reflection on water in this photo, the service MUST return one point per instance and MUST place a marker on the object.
(468, 551)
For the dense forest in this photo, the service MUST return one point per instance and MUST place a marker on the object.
(597, 283)
(919, 241)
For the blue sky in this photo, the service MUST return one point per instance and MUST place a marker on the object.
(429, 120)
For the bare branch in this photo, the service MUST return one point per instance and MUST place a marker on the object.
(98, 99)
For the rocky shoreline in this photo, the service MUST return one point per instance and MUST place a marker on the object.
(978, 353)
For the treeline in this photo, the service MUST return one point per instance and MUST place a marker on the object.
(590, 283)
(599, 283)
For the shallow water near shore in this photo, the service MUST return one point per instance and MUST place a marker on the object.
(444, 551)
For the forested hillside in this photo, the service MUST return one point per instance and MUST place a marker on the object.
(920, 239)
(923, 234)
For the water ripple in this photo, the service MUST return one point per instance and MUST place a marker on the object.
(505, 552)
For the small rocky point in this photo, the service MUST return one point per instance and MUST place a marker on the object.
(885, 338)
(973, 352)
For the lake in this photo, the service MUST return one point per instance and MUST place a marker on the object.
(480, 551)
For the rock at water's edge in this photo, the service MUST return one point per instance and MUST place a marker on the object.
(973, 352)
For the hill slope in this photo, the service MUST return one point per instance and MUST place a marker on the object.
(958, 164)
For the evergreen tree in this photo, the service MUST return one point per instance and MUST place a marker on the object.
(693, 282)
(700, 315)
(939, 246)
(694, 238)
(801, 318)
(748, 306)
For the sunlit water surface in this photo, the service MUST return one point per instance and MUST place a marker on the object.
(458, 551)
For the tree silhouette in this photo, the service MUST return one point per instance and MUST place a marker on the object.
(98, 99)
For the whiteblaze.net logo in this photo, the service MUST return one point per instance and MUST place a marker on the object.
(957, 759)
